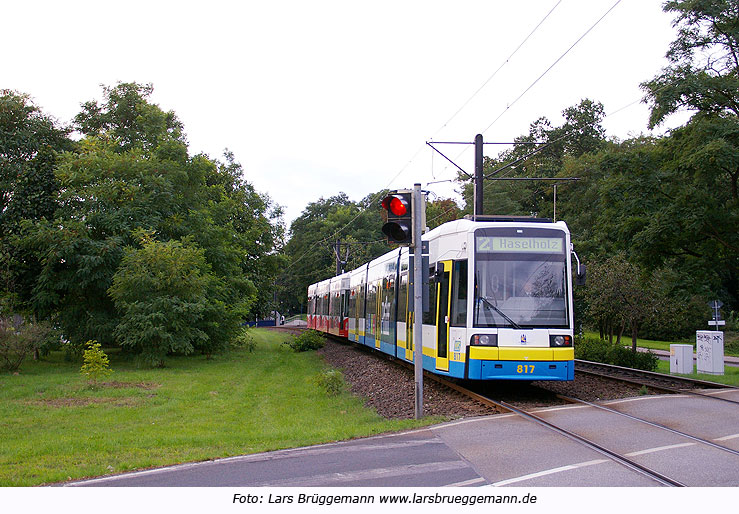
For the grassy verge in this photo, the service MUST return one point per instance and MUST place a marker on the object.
(731, 343)
(54, 427)
(730, 376)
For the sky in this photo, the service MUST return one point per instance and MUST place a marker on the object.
(320, 97)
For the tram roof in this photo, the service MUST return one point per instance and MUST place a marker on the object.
(467, 225)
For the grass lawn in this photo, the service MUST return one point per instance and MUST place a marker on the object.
(54, 427)
(731, 342)
(730, 376)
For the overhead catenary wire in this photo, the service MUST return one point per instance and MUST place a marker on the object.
(551, 66)
(491, 77)
(420, 149)
(466, 102)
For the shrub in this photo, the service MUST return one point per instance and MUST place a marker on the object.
(18, 340)
(330, 381)
(308, 340)
(73, 350)
(244, 341)
(161, 291)
(597, 350)
(622, 356)
(591, 349)
(95, 365)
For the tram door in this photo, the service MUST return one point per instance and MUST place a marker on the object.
(378, 312)
(443, 298)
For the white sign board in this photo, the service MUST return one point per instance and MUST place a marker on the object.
(709, 352)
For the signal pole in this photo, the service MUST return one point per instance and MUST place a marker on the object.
(477, 188)
(418, 298)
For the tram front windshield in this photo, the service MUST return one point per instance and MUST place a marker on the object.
(520, 278)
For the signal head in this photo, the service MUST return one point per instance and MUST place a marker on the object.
(399, 217)
(396, 205)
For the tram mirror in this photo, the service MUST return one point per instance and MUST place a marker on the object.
(581, 274)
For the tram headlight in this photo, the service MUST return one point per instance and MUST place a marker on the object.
(560, 341)
(484, 340)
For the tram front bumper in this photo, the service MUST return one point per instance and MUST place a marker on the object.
(516, 363)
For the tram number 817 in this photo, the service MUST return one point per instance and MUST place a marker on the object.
(525, 368)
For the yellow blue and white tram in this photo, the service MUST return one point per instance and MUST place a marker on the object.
(500, 302)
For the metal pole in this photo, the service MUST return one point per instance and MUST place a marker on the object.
(478, 177)
(418, 205)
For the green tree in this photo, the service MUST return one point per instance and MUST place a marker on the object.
(702, 162)
(618, 298)
(130, 173)
(30, 142)
(128, 119)
(703, 74)
(313, 236)
(19, 338)
(96, 364)
(580, 134)
(161, 289)
(441, 211)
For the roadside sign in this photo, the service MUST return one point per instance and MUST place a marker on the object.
(715, 304)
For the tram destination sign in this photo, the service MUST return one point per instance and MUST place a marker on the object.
(502, 244)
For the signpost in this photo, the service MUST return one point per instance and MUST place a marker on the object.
(709, 345)
(406, 217)
(715, 306)
(418, 207)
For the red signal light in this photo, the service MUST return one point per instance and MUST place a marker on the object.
(399, 216)
(398, 207)
(395, 205)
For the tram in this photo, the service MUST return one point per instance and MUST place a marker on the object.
(500, 301)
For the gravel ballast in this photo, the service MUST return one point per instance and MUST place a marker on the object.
(389, 387)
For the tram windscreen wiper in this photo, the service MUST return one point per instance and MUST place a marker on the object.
(496, 309)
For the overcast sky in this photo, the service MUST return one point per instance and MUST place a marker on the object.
(319, 97)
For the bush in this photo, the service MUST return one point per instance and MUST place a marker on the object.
(622, 356)
(96, 365)
(18, 340)
(244, 341)
(597, 350)
(331, 381)
(591, 349)
(308, 340)
(161, 291)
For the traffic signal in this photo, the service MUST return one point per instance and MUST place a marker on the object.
(399, 226)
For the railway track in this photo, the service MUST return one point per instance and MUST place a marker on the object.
(620, 459)
(649, 379)
(593, 445)
(630, 460)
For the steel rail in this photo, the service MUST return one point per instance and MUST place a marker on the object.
(620, 459)
(656, 376)
(650, 423)
(610, 454)
(652, 374)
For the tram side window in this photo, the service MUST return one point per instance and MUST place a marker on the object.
(361, 291)
(352, 307)
(429, 318)
(371, 304)
(403, 298)
(459, 294)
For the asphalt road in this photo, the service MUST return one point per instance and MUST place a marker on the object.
(501, 450)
